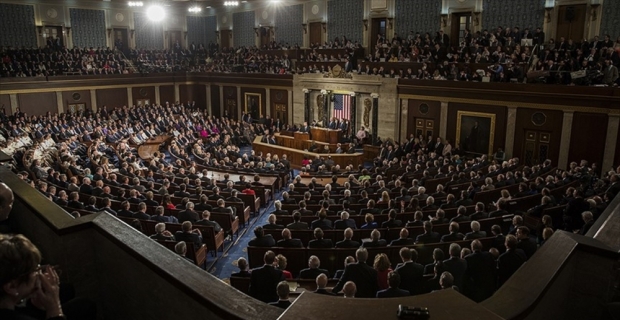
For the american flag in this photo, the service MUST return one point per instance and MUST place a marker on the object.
(342, 106)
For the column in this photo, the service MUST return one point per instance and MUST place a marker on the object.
(510, 131)
(375, 117)
(177, 93)
(129, 97)
(208, 93)
(404, 117)
(14, 103)
(443, 120)
(267, 102)
(157, 96)
(93, 100)
(221, 101)
(307, 107)
(59, 103)
(289, 108)
(239, 102)
(353, 120)
(326, 101)
(611, 142)
(567, 125)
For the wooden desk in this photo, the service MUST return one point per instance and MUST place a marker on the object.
(300, 142)
(295, 156)
(149, 147)
(442, 305)
(326, 135)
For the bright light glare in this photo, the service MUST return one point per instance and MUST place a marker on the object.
(195, 9)
(156, 13)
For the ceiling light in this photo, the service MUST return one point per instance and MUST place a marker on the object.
(231, 3)
(195, 9)
(208, 7)
(156, 13)
(135, 3)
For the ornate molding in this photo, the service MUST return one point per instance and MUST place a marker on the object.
(337, 72)
(374, 95)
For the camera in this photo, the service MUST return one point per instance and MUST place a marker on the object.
(415, 313)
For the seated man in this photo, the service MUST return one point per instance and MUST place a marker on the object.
(375, 240)
(321, 283)
(313, 269)
(264, 280)
(287, 242)
(242, 264)
(261, 240)
(206, 222)
(393, 291)
(272, 223)
(347, 242)
(475, 232)
(161, 233)
(403, 240)
(283, 291)
(188, 234)
(319, 242)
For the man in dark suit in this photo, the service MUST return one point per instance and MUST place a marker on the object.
(321, 283)
(393, 291)
(287, 242)
(344, 222)
(297, 224)
(188, 235)
(525, 242)
(242, 264)
(510, 261)
(261, 240)
(479, 214)
(318, 241)
(572, 213)
(271, 223)
(283, 291)
(428, 236)
(161, 233)
(499, 239)
(461, 215)
(264, 280)
(501, 205)
(86, 187)
(188, 214)
(141, 213)
(455, 265)
(364, 276)
(206, 222)
(391, 222)
(454, 234)
(475, 232)
(411, 273)
(403, 240)
(347, 242)
(313, 269)
(322, 222)
(375, 240)
(480, 274)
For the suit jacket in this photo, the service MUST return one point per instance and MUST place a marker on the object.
(188, 215)
(372, 244)
(480, 275)
(343, 224)
(475, 235)
(364, 277)
(402, 242)
(432, 237)
(290, 243)
(411, 277)
(392, 293)
(528, 246)
(188, 237)
(216, 226)
(323, 224)
(281, 304)
(263, 283)
(457, 267)
(264, 241)
(452, 237)
(347, 244)
(508, 263)
(320, 243)
(298, 226)
(312, 273)
(391, 223)
(324, 291)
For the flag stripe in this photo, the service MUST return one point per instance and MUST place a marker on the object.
(342, 106)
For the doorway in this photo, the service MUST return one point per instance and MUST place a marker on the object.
(378, 31)
(460, 22)
(315, 33)
(571, 22)
(174, 41)
(120, 39)
(225, 36)
(423, 127)
(265, 36)
(536, 147)
(54, 38)
(279, 111)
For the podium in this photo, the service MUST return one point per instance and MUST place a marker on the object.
(326, 135)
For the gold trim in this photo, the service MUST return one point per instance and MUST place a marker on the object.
(511, 104)
(491, 116)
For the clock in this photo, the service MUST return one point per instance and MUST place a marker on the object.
(539, 118)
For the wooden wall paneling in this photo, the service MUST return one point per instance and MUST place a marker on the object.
(111, 98)
(230, 102)
(500, 121)
(166, 94)
(73, 97)
(424, 111)
(528, 121)
(186, 93)
(37, 103)
(5, 104)
(143, 93)
(279, 104)
(263, 99)
(200, 96)
(215, 101)
(588, 137)
(617, 156)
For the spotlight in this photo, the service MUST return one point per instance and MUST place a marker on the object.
(135, 3)
(195, 9)
(156, 13)
(231, 3)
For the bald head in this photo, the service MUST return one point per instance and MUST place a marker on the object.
(6, 201)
